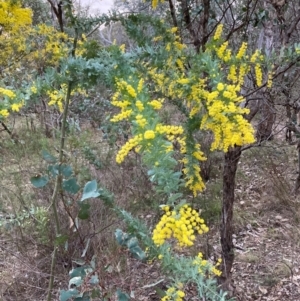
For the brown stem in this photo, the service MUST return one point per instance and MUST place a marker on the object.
(231, 159)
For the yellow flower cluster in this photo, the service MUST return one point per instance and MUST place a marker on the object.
(241, 51)
(218, 32)
(15, 107)
(256, 59)
(232, 74)
(169, 129)
(13, 17)
(191, 170)
(255, 56)
(4, 112)
(56, 97)
(225, 118)
(148, 135)
(222, 52)
(212, 103)
(127, 147)
(136, 108)
(33, 89)
(121, 116)
(172, 294)
(140, 120)
(182, 225)
(51, 45)
(156, 104)
(7, 92)
(258, 74)
(155, 2)
(270, 79)
(202, 263)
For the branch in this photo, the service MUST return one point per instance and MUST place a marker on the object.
(204, 23)
(173, 14)
(11, 134)
(293, 26)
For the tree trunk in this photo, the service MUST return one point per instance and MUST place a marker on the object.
(231, 160)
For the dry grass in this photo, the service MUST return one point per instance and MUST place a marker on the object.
(266, 220)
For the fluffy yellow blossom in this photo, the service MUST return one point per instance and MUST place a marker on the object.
(141, 121)
(232, 74)
(255, 56)
(182, 224)
(139, 105)
(122, 48)
(121, 116)
(156, 104)
(33, 89)
(218, 32)
(127, 147)
(221, 51)
(179, 46)
(183, 81)
(180, 65)
(270, 79)
(17, 106)
(131, 91)
(149, 135)
(155, 2)
(258, 74)
(4, 113)
(173, 294)
(241, 51)
(220, 87)
(7, 92)
(140, 85)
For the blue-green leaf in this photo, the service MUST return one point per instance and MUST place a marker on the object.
(39, 181)
(66, 170)
(54, 170)
(121, 237)
(77, 281)
(94, 279)
(66, 295)
(137, 252)
(122, 296)
(81, 271)
(90, 190)
(48, 157)
(71, 186)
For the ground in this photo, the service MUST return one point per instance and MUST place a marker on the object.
(266, 226)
